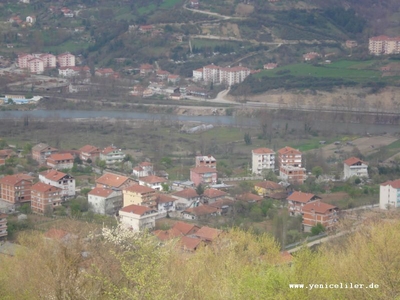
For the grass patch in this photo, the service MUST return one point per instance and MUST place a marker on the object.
(147, 9)
(169, 3)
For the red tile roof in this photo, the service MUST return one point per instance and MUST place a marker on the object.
(145, 164)
(185, 228)
(214, 193)
(136, 209)
(202, 170)
(112, 180)
(263, 151)
(101, 192)
(14, 179)
(394, 184)
(249, 197)
(287, 150)
(222, 202)
(162, 198)
(89, 149)
(139, 189)
(301, 197)
(269, 185)
(169, 234)
(189, 243)
(186, 193)
(53, 175)
(318, 207)
(43, 187)
(153, 179)
(61, 156)
(353, 160)
(109, 149)
(201, 210)
(208, 233)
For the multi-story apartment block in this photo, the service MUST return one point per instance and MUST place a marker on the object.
(16, 189)
(206, 161)
(42, 151)
(105, 201)
(89, 152)
(215, 74)
(354, 166)
(389, 194)
(61, 180)
(112, 155)
(137, 217)
(66, 60)
(139, 195)
(3, 225)
(36, 65)
(45, 197)
(49, 60)
(290, 168)
(37, 62)
(203, 175)
(60, 161)
(383, 44)
(319, 212)
(262, 159)
(297, 200)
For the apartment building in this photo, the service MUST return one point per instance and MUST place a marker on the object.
(89, 152)
(41, 152)
(262, 159)
(16, 189)
(203, 175)
(105, 201)
(354, 166)
(139, 195)
(319, 212)
(290, 165)
(112, 155)
(45, 197)
(137, 217)
(60, 161)
(36, 65)
(215, 74)
(389, 195)
(61, 180)
(384, 45)
(66, 60)
(206, 161)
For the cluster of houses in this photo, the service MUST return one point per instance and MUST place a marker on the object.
(38, 62)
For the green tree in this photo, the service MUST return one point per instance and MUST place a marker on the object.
(77, 160)
(317, 171)
(165, 187)
(200, 189)
(317, 229)
(247, 139)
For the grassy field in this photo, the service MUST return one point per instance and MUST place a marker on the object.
(169, 3)
(352, 70)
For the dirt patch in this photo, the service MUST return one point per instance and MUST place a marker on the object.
(244, 10)
(334, 197)
(230, 29)
(366, 145)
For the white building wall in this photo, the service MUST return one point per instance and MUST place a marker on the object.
(389, 197)
(137, 222)
(262, 162)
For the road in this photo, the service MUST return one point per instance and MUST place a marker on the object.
(212, 13)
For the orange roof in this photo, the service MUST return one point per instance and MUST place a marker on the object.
(394, 184)
(153, 179)
(208, 233)
(6, 153)
(137, 209)
(145, 164)
(140, 189)
(249, 197)
(109, 149)
(112, 180)
(53, 175)
(269, 185)
(61, 156)
(222, 202)
(101, 192)
(89, 149)
(288, 150)
(263, 151)
(318, 207)
(14, 179)
(186, 193)
(189, 243)
(214, 193)
(165, 235)
(201, 210)
(185, 228)
(56, 234)
(162, 198)
(353, 160)
(43, 187)
(146, 67)
(301, 197)
(202, 170)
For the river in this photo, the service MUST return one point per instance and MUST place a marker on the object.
(338, 127)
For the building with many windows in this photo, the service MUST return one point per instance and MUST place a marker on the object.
(290, 165)
(262, 159)
(137, 217)
(16, 189)
(384, 45)
(61, 180)
(203, 175)
(112, 155)
(45, 197)
(215, 74)
(354, 166)
(389, 194)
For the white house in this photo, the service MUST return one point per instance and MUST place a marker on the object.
(143, 169)
(389, 194)
(198, 74)
(153, 182)
(165, 204)
(30, 19)
(112, 155)
(262, 159)
(138, 217)
(105, 201)
(354, 166)
(186, 198)
(61, 180)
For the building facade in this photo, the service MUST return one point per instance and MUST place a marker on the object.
(138, 217)
(203, 175)
(61, 180)
(89, 152)
(389, 194)
(206, 161)
(60, 161)
(319, 212)
(290, 165)
(139, 195)
(105, 201)
(263, 159)
(112, 155)
(44, 198)
(384, 45)
(16, 189)
(41, 152)
(354, 166)
(66, 60)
